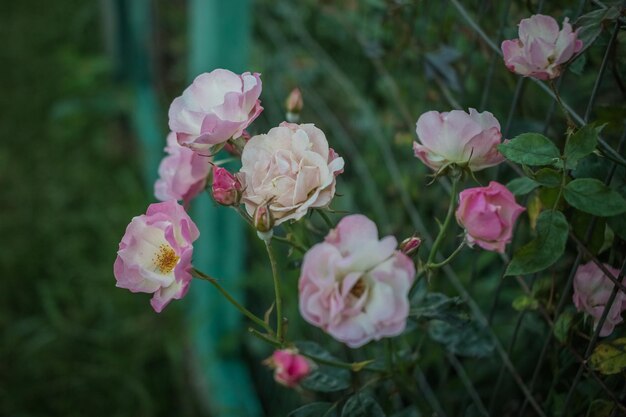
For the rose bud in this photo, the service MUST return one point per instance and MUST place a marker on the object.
(263, 219)
(592, 290)
(294, 104)
(226, 188)
(541, 49)
(410, 245)
(289, 367)
(488, 215)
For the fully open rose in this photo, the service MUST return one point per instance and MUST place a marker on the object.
(355, 286)
(182, 173)
(217, 106)
(291, 169)
(541, 49)
(592, 290)
(154, 255)
(456, 137)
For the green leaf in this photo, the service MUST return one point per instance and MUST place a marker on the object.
(530, 149)
(411, 411)
(592, 23)
(609, 357)
(441, 307)
(548, 177)
(314, 410)
(592, 196)
(522, 185)
(545, 249)
(362, 405)
(324, 378)
(464, 339)
(562, 326)
(524, 302)
(581, 144)
(618, 225)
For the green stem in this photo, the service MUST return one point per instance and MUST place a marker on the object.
(264, 337)
(285, 240)
(446, 223)
(351, 366)
(570, 123)
(327, 220)
(277, 295)
(448, 259)
(201, 275)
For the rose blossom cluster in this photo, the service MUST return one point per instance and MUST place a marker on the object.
(354, 285)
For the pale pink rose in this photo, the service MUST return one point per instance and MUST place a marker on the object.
(355, 286)
(541, 49)
(488, 215)
(154, 255)
(289, 367)
(291, 168)
(226, 188)
(217, 106)
(182, 173)
(456, 137)
(592, 290)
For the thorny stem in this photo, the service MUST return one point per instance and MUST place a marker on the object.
(279, 302)
(201, 275)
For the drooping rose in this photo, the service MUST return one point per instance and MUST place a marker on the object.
(289, 367)
(592, 290)
(465, 139)
(182, 173)
(217, 106)
(226, 188)
(488, 215)
(355, 286)
(291, 169)
(154, 255)
(541, 49)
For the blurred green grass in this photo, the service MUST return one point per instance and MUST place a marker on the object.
(72, 343)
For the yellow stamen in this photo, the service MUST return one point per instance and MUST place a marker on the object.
(166, 259)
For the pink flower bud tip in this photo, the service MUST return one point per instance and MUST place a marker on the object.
(289, 367)
(226, 188)
(294, 102)
(410, 245)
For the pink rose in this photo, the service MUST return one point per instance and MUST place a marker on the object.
(291, 168)
(217, 106)
(460, 138)
(592, 290)
(289, 367)
(541, 49)
(226, 188)
(354, 286)
(154, 255)
(488, 215)
(182, 173)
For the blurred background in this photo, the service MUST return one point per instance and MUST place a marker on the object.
(83, 118)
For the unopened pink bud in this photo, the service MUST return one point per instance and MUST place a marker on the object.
(289, 367)
(226, 188)
(263, 218)
(410, 245)
(294, 102)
